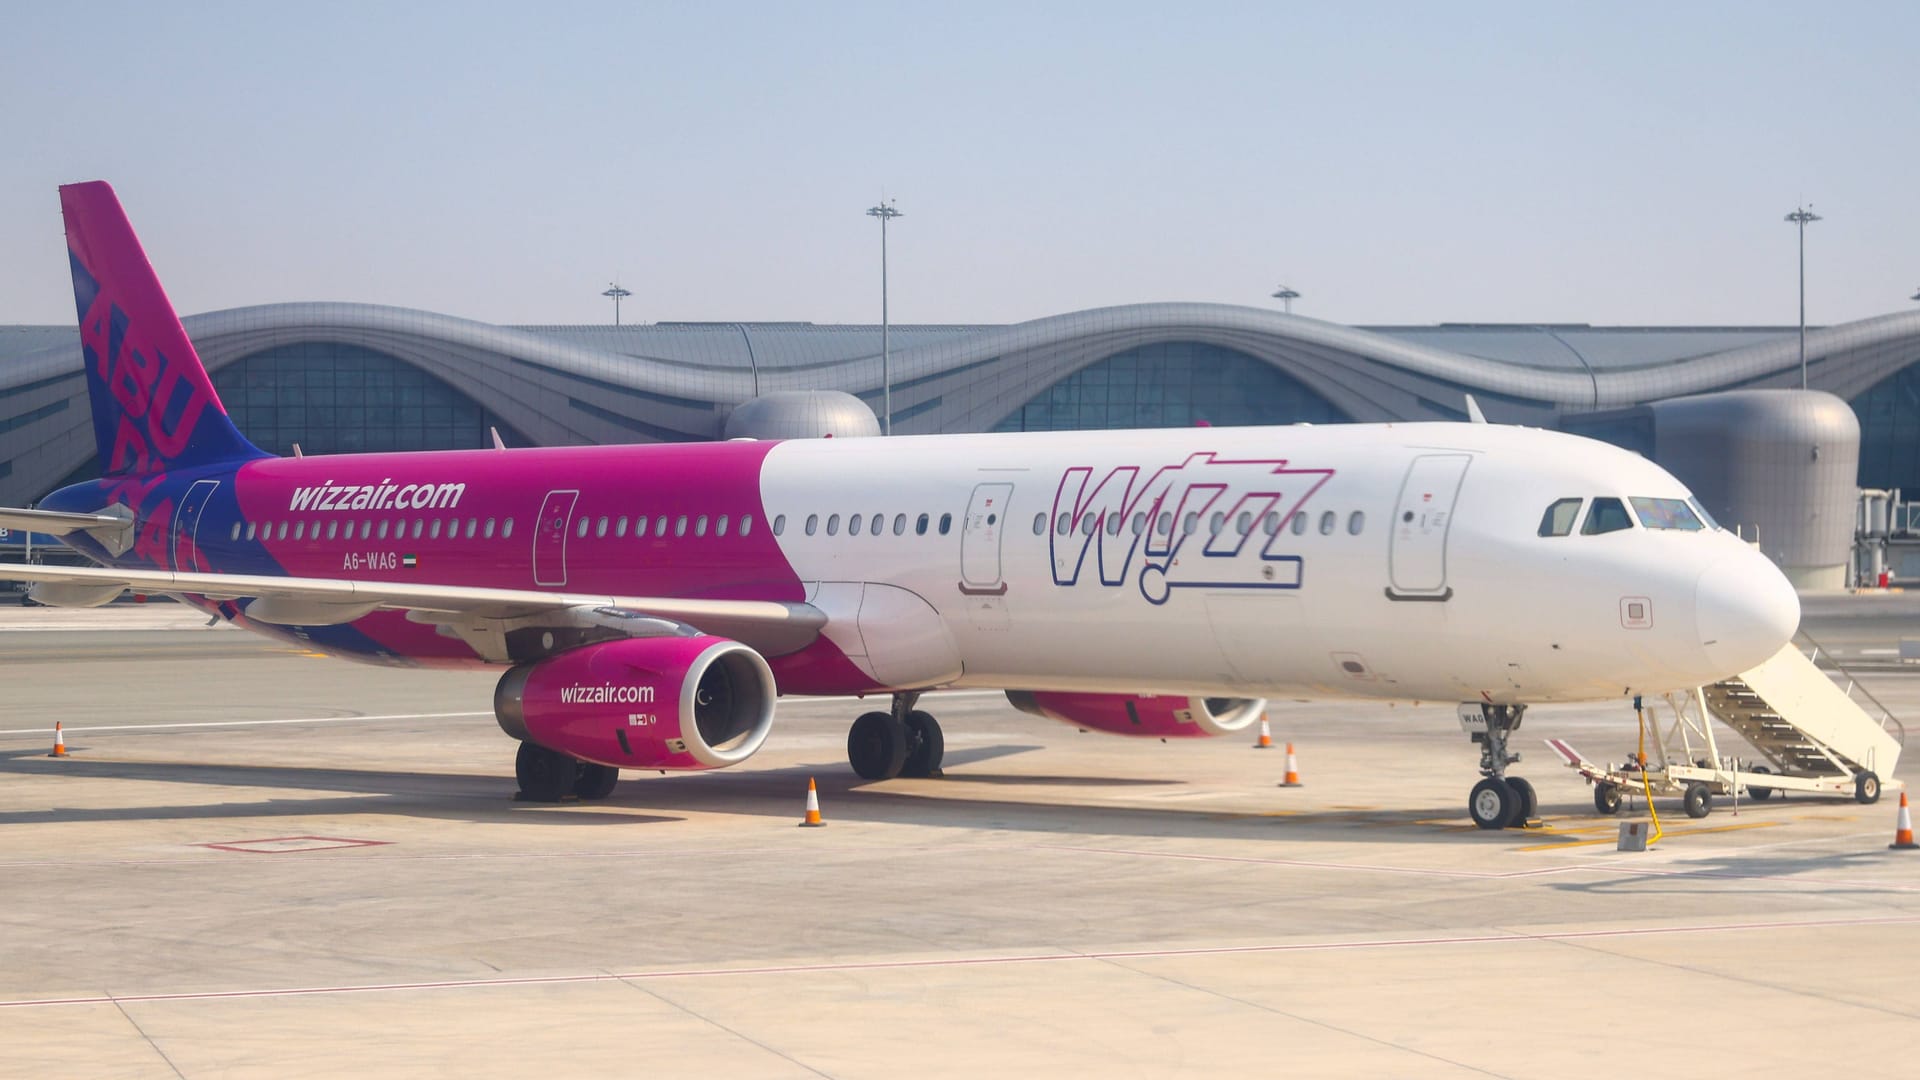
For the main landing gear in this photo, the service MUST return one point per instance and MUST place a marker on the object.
(550, 776)
(1498, 801)
(903, 742)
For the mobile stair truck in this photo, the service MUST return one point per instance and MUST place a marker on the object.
(1814, 728)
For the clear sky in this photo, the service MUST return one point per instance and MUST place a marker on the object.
(1395, 163)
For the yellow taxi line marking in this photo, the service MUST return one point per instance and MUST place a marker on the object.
(1675, 833)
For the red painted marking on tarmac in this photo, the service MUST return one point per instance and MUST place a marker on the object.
(1488, 875)
(292, 845)
(978, 961)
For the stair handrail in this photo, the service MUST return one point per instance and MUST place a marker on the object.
(1898, 729)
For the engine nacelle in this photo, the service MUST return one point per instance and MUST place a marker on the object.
(643, 703)
(1142, 714)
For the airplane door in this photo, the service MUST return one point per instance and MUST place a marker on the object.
(1417, 549)
(550, 538)
(186, 526)
(980, 539)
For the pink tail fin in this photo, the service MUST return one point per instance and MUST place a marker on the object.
(154, 408)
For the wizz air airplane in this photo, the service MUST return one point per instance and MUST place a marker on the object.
(649, 604)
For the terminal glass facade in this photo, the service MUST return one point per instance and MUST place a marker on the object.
(1890, 431)
(344, 399)
(1174, 384)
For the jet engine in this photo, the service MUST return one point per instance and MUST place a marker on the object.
(692, 703)
(1142, 714)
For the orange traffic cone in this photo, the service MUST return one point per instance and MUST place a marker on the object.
(1293, 770)
(1903, 829)
(60, 741)
(813, 807)
(1266, 735)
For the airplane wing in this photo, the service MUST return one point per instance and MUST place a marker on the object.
(55, 523)
(481, 616)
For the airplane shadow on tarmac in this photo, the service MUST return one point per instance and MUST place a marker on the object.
(773, 793)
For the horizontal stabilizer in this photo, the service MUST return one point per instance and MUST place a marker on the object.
(56, 523)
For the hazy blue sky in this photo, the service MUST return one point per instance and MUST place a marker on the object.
(1605, 163)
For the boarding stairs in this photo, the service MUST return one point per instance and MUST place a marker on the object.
(1809, 718)
(1815, 728)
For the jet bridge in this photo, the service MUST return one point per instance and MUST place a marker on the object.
(1809, 723)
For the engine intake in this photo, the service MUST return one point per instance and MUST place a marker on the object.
(643, 703)
(1145, 715)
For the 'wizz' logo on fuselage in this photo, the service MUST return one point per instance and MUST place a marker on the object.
(1183, 526)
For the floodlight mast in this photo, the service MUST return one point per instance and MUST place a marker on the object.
(885, 212)
(616, 293)
(1801, 218)
(1287, 296)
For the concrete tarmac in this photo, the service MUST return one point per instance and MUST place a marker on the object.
(258, 862)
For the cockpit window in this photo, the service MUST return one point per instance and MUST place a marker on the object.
(1608, 515)
(1666, 514)
(1559, 518)
(1712, 525)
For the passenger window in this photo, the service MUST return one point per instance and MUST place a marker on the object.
(1218, 522)
(779, 524)
(619, 526)
(899, 524)
(580, 532)
(507, 529)
(1299, 525)
(660, 525)
(833, 524)
(680, 525)
(433, 531)
(720, 527)
(1064, 525)
(1193, 523)
(700, 525)
(946, 522)
(1039, 523)
(1245, 524)
(473, 527)
(853, 526)
(299, 530)
(1327, 520)
(485, 530)
(1139, 522)
(1559, 518)
(281, 532)
(1273, 523)
(333, 530)
(1355, 522)
(1608, 515)
(746, 524)
(813, 521)
(600, 530)
(920, 525)
(1087, 524)
(1165, 525)
(1113, 523)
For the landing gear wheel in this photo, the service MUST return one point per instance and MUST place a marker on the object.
(1756, 792)
(595, 781)
(1492, 803)
(1606, 798)
(1866, 788)
(877, 746)
(545, 775)
(927, 743)
(1529, 803)
(1697, 801)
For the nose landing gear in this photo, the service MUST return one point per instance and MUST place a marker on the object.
(904, 742)
(1498, 801)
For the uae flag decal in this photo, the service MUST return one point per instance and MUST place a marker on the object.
(409, 561)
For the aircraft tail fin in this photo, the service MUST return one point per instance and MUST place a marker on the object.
(154, 407)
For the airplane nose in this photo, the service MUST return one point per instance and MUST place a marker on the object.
(1744, 610)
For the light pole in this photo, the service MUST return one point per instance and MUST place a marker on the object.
(617, 294)
(1801, 218)
(885, 212)
(1915, 296)
(1287, 296)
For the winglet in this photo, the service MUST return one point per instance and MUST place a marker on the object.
(1473, 411)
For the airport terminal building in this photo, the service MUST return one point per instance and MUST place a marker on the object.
(338, 378)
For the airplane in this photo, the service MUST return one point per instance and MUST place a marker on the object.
(650, 603)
